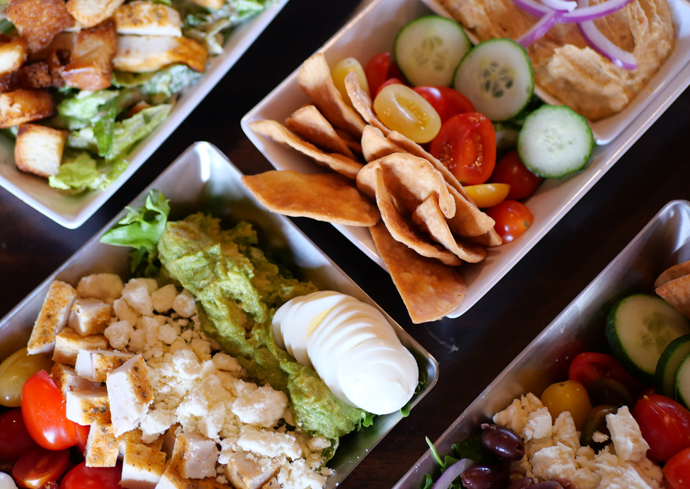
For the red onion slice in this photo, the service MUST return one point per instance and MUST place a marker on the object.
(580, 14)
(540, 28)
(599, 42)
(560, 5)
(452, 473)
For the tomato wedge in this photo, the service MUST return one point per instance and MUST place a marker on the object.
(512, 219)
(664, 424)
(83, 477)
(488, 194)
(512, 171)
(44, 412)
(14, 438)
(589, 367)
(447, 101)
(677, 470)
(82, 437)
(38, 466)
(466, 144)
(379, 69)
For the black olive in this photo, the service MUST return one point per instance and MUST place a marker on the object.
(485, 476)
(503, 443)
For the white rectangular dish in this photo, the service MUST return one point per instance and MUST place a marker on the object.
(71, 211)
(373, 31)
(203, 179)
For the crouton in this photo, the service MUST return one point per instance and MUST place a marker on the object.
(142, 467)
(88, 407)
(92, 12)
(95, 365)
(68, 343)
(142, 54)
(39, 21)
(135, 437)
(130, 385)
(245, 472)
(67, 380)
(20, 106)
(91, 62)
(144, 18)
(101, 446)
(13, 54)
(52, 318)
(104, 286)
(32, 77)
(89, 316)
(38, 149)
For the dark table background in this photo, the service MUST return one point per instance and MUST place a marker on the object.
(472, 349)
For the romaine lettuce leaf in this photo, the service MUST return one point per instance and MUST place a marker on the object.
(83, 109)
(137, 127)
(159, 86)
(77, 173)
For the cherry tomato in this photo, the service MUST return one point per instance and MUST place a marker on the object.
(14, 371)
(512, 219)
(38, 466)
(664, 424)
(677, 470)
(568, 396)
(44, 412)
(488, 194)
(404, 110)
(512, 171)
(589, 367)
(341, 70)
(14, 438)
(466, 144)
(390, 81)
(381, 68)
(83, 477)
(82, 437)
(447, 101)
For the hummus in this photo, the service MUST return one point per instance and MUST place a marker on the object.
(565, 66)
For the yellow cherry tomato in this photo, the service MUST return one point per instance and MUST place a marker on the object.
(341, 70)
(404, 110)
(568, 396)
(14, 371)
(488, 194)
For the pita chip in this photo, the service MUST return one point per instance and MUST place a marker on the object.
(350, 140)
(429, 289)
(325, 197)
(677, 293)
(315, 79)
(676, 271)
(310, 125)
(490, 238)
(375, 145)
(280, 134)
(468, 220)
(362, 102)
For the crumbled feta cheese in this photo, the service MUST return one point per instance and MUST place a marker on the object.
(552, 463)
(270, 444)
(118, 334)
(137, 341)
(564, 431)
(225, 362)
(138, 296)
(167, 334)
(163, 298)
(123, 312)
(318, 443)
(184, 304)
(599, 437)
(538, 424)
(262, 407)
(202, 348)
(298, 476)
(516, 415)
(626, 435)
(104, 286)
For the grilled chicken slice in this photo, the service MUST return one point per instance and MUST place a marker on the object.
(142, 54)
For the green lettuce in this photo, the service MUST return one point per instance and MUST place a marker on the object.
(159, 86)
(127, 132)
(80, 111)
(77, 174)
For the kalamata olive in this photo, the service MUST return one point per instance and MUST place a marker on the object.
(547, 485)
(502, 442)
(522, 483)
(596, 421)
(567, 484)
(485, 476)
(609, 391)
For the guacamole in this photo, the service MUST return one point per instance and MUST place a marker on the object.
(238, 289)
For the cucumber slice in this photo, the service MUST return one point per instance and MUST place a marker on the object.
(668, 365)
(429, 48)
(682, 383)
(639, 328)
(555, 141)
(497, 77)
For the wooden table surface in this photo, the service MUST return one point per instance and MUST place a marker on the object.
(472, 349)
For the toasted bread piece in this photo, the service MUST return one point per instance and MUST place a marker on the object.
(38, 21)
(22, 106)
(102, 447)
(92, 12)
(144, 18)
(143, 54)
(13, 54)
(68, 343)
(52, 318)
(38, 149)
(91, 62)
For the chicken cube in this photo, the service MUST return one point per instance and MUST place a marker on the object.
(13, 54)
(68, 343)
(144, 18)
(197, 455)
(212, 4)
(88, 407)
(104, 286)
(89, 316)
(66, 379)
(92, 12)
(38, 21)
(174, 478)
(130, 385)
(52, 318)
(38, 149)
(245, 472)
(91, 62)
(143, 54)
(142, 467)
(135, 437)
(20, 106)
(95, 365)
(101, 446)
(272, 484)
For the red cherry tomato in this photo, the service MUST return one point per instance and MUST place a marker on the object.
(377, 71)
(589, 366)
(38, 466)
(44, 412)
(512, 171)
(466, 144)
(394, 72)
(447, 101)
(512, 219)
(14, 438)
(82, 437)
(83, 477)
(677, 470)
(664, 424)
(390, 81)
